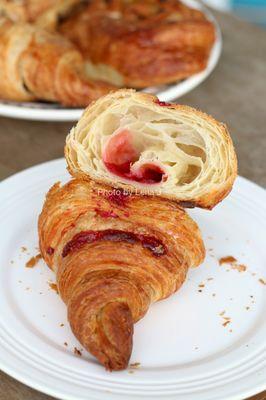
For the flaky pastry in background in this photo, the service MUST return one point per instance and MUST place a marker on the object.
(140, 43)
(39, 65)
(122, 43)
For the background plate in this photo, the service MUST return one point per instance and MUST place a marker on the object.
(186, 348)
(54, 112)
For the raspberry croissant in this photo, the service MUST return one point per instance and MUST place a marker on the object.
(113, 255)
(133, 141)
(35, 64)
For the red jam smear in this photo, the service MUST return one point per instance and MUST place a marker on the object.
(154, 245)
(50, 251)
(162, 103)
(106, 214)
(118, 197)
(119, 155)
(147, 173)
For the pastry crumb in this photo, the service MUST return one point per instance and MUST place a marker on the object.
(227, 260)
(62, 325)
(53, 286)
(222, 313)
(262, 281)
(210, 279)
(77, 352)
(226, 322)
(232, 261)
(201, 285)
(131, 371)
(134, 365)
(65, 344)
(23, 249)
(240, 267)
(33, 261)
(247, 308)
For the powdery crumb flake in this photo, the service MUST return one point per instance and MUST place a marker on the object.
(33, 261)
(262, 281)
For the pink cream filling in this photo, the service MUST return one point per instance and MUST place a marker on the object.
(119, 155)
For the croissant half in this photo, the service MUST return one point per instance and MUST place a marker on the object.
(36, 64)
(133, 141)
(113, 258)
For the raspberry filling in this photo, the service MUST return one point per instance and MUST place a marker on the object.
(154, 245)
(120, 154)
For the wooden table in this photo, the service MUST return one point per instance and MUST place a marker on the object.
(235, 93)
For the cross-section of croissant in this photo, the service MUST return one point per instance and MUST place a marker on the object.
(113, 258)
(36, 64)
(133, 141)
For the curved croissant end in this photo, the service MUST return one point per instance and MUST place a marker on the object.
(113, 259)
(133, 141)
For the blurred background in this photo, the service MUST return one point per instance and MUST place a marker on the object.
(251, 10)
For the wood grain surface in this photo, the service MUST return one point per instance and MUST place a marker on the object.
(235, 93)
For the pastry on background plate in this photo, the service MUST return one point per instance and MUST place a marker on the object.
(140, 43)
(39, 65)
(132, 141)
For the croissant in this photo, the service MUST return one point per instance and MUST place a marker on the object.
(133, 141)
(44, 12)
(140, 43)
(36, 64)
(113, 258)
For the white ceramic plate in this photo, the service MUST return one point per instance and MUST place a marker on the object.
(54, 112)
(184, 350)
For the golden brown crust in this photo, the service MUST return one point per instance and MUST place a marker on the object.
(219, 168)
(36, 64)
(109, 282)
(41, 12)
(146, 43)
